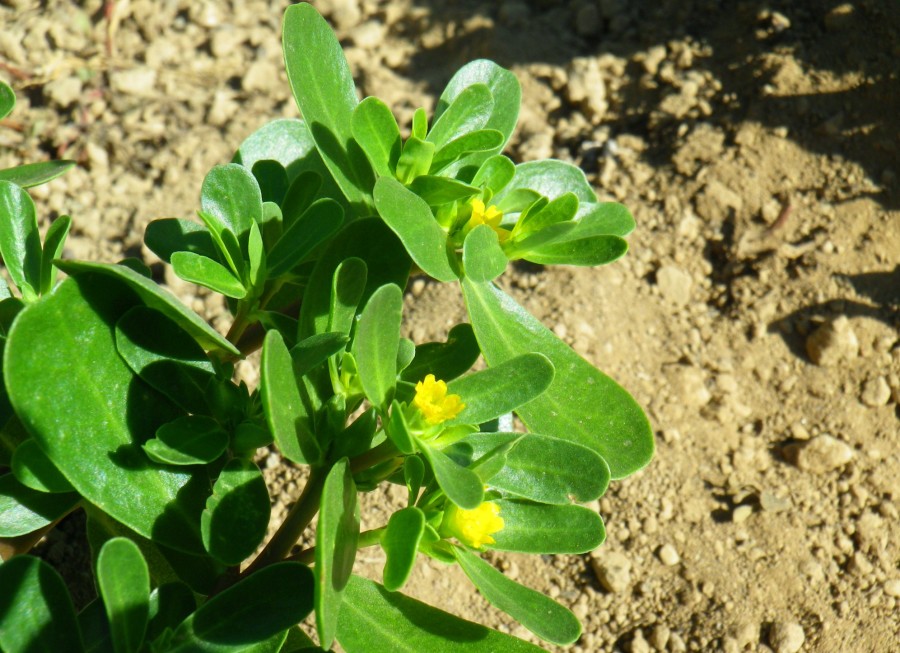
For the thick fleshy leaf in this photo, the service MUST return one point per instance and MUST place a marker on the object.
(551, 178)
(272, 179)
(409, 217)
(285, 411)
(230, 195)
(285, 140)
(35, 174)
(375, 129)
(375, 245)
(482, 140)
(90, 414)
(483, 258)
(323, 87)
(166, 236)
(536, 611)
(319, 222)
(414, 476)
(398, 430)
(400, 543)
(36, 611)
(20, 240)
(374, 620)
(206, 272)
(505, 91)
(314, 350)
(170, 604)
(166, 357)
(495, 173)
(540, 528)
(419, 128)
(94, 626)
(337, 534)
(595, 250)
(543, 468)
(469, 111)
(124, 584)
(461, 485)
(561, 209)
(54, 242)
(582, 404)
(23, 510)
(261, 606)
(446, 360)
(603, 219)
(7, 99)
(347, 288)
(503, 388)
(440, 190)
(415, 159)
(237, 513)
(376, 342)
(33, 469)
(188, 440)
(154, 297)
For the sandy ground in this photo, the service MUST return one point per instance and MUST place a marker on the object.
(755, 316)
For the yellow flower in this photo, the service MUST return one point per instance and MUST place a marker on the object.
(490, 216)
(473, 527)
(434, 402)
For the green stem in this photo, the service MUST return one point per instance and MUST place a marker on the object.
(366, 539)
(294, 524)
(384, 451)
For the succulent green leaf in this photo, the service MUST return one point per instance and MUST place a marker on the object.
(537, 612)
(188, 440)
(440, 190)
(323, 87)
(415, 159)
(347, 288)
(582, 404)
(594, 250)
(94, 627)
(505, 91)
(495, 173)
(543, 468)
(259, 607)
(469, 111)
(89, 413)
(166, 236)
(540, 528)
(410, 218)
(36, 611)
(7, 99)
(237, 513)
(561, 209)
(207, 273)
(285, 140)
(272, 179)
(400, 543)
(285, 411)
(518, 200)
(256, 256)
(227, 246)
(376, 343)
(337, 534)
(483, 258)
(552, 178)
(165, 356)
(319, 222)
(20, 240)
(368, 240)
(248, 437)
(414, 476)
(356, 438)
(419, 128)
(35, 174)
(24, 510)
(314, 350)
(446, 360)
(154, 297)
(375, 129)
(461, 485)
(231, 196)
(374, 620)
(124, 583)
(503, 388)
(603, 219)
(170, 604)
(54, 242)
(482, 140)
(33, 469)
(398, 430)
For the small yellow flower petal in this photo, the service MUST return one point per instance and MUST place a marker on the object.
(491, 216)
(433, 401)
(474, 527)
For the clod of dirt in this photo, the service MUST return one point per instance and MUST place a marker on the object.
(674, 284)
(833, 343)
(613, 570)
(786, 637)
(668, 555)
(823, 454)
(876, 392)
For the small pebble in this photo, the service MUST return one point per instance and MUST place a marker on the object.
(613, 570)
(786, 637)
(668, 555)
(823, 454)
(876, 392)
(892, 588)
(833, 343)
(674, 284)
(741, 514)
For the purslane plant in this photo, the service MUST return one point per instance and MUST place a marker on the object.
(119, 401)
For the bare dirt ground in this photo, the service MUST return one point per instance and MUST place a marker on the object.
(755, 316)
